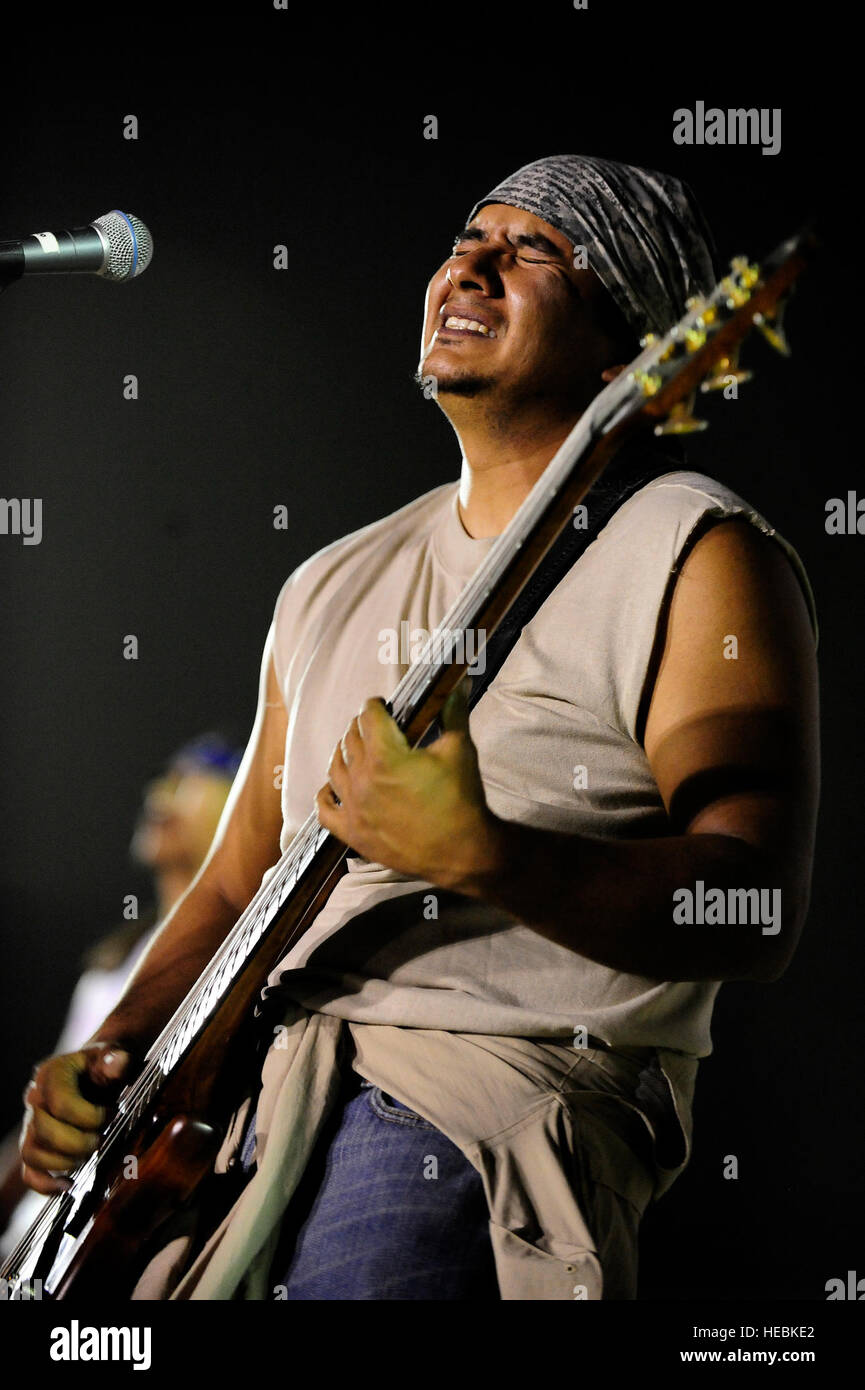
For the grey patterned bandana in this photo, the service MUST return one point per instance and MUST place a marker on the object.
(644, 234)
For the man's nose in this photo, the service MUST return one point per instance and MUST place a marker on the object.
(475, 269)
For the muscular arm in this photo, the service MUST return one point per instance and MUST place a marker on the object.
(732, 745)
(246, 843)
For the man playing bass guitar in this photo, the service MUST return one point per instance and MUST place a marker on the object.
(486, 1044)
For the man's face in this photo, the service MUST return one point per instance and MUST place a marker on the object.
(550, 328)
(178, 819)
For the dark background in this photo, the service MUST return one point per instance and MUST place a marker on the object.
(259, 387)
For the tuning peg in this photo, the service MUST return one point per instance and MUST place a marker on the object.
(694, 336)
(737, 286)
(681, 420)
(773, 330)
(725, 370)
(745, 272)
(735, 294)
(649, 383)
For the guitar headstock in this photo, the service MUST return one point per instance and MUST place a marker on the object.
(701, 351)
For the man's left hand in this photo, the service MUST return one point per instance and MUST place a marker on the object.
(419, 811)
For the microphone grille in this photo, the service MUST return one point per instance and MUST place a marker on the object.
(130, 245)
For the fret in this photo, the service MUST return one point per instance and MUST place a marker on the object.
(239, 951)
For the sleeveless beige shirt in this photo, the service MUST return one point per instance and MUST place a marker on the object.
(391, 950)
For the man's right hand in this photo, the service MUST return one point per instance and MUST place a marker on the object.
(61, 1129)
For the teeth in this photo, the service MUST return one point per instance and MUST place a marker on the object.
(471, 325)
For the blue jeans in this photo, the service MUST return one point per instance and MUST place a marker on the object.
(388, 1208)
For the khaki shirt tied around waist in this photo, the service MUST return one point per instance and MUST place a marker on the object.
(547, 1125)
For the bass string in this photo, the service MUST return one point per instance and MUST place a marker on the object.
(139, 1094)
(31, 1237)
(142, 1090)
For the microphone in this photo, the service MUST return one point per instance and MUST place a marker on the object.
(117, 246)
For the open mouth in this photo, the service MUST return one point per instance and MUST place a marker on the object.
(467, 328)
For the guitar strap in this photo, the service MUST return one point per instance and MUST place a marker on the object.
(636, 464)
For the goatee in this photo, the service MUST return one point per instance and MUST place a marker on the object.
(455, 386)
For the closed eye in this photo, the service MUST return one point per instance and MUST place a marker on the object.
(550, 254)
(527, 260)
